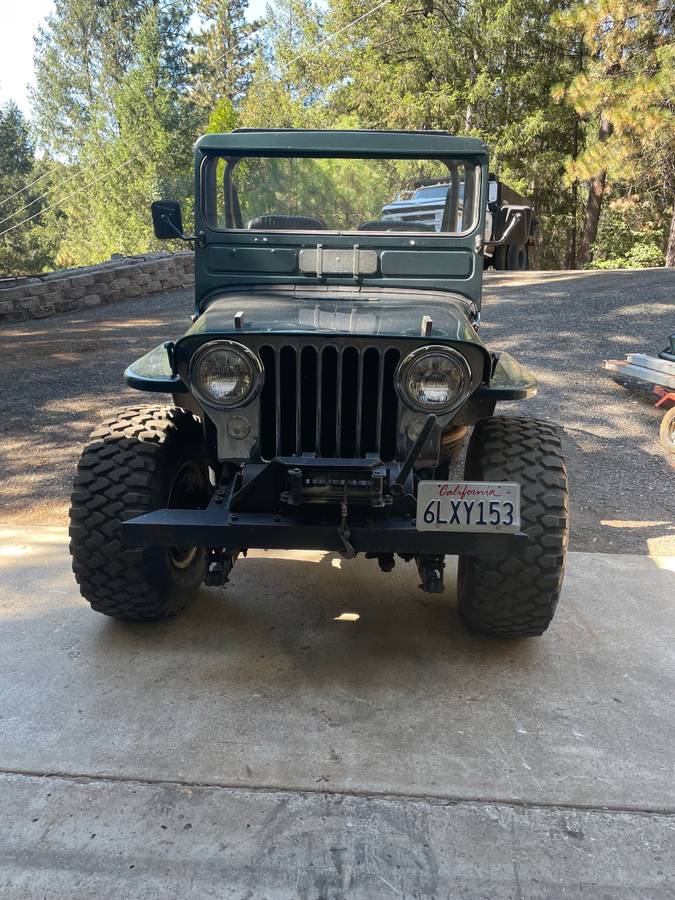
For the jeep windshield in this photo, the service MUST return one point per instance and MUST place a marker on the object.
(336, 194)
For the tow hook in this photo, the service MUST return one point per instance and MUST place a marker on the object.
(219, 567)
(344, 534)
(431, 572)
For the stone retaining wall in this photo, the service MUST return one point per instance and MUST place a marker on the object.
(120, 278)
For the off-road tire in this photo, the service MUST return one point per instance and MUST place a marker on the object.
(518, 595)
(131, 466)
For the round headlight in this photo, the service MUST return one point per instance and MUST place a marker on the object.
(225, 374)
(434, 379)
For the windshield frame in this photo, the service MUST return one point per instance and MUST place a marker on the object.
(209, 157)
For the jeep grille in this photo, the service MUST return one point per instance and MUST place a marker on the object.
(328, 401)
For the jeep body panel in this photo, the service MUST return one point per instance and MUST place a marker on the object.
(333, 312)
(377, 317)
(152, 372)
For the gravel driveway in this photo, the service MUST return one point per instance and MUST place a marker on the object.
(62, 374)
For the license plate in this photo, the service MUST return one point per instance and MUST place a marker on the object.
(468, 506)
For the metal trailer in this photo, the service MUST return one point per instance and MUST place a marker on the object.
(656, 374)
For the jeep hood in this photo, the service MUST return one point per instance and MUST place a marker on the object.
(335, 311)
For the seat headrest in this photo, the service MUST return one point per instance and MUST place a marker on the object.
(281, 222)
(387, 225)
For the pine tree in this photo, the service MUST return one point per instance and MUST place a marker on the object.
(222, 54)
(112, 99)
(148, 157)
(625, 94)
(81, 53)
(29, 247)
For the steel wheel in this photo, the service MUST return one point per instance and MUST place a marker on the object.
(667, 431)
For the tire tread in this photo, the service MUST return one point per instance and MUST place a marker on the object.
(118, 477)
(518, 595)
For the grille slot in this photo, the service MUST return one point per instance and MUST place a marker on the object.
(329, 402)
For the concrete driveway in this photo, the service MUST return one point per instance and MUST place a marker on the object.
(321, 730)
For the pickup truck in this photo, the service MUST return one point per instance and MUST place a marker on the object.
(510, 224)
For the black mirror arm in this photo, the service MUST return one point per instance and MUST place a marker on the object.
(188, 238)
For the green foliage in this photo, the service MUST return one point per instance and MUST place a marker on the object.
(16, 149)
(221, 53)
(223, 118)
(124, 87)
(29, 247)
(628, 78)
(641, 256)
(623, 93)
(483, 67)
(135, 143)
(631, 235)
(82, 53)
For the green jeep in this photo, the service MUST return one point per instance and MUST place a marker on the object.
(322, 395)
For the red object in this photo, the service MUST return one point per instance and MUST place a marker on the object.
(667, 397)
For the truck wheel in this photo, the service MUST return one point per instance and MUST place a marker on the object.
(517, 257)
(138, 460)
(518, 595)
(499, 258)
(667, 431)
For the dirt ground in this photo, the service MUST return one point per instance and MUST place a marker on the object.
(61, 375)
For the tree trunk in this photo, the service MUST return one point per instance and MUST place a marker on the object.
(670, 249)
(596, 191)
(575, 198)
(593, 206)
(468, 113)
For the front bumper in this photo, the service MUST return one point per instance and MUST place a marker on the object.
(217, 528)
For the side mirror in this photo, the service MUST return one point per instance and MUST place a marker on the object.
(493, 190)
(167, 219)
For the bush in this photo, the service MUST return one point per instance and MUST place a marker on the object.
(631, 235)
(640, 256)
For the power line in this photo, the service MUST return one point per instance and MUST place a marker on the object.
(285, 66)
(21, 190)
(30, 184)
(131, 159)
(45, 174)
(301, 21)
(68, 196)
(41, 197)
(227, 53)
(332, 36)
